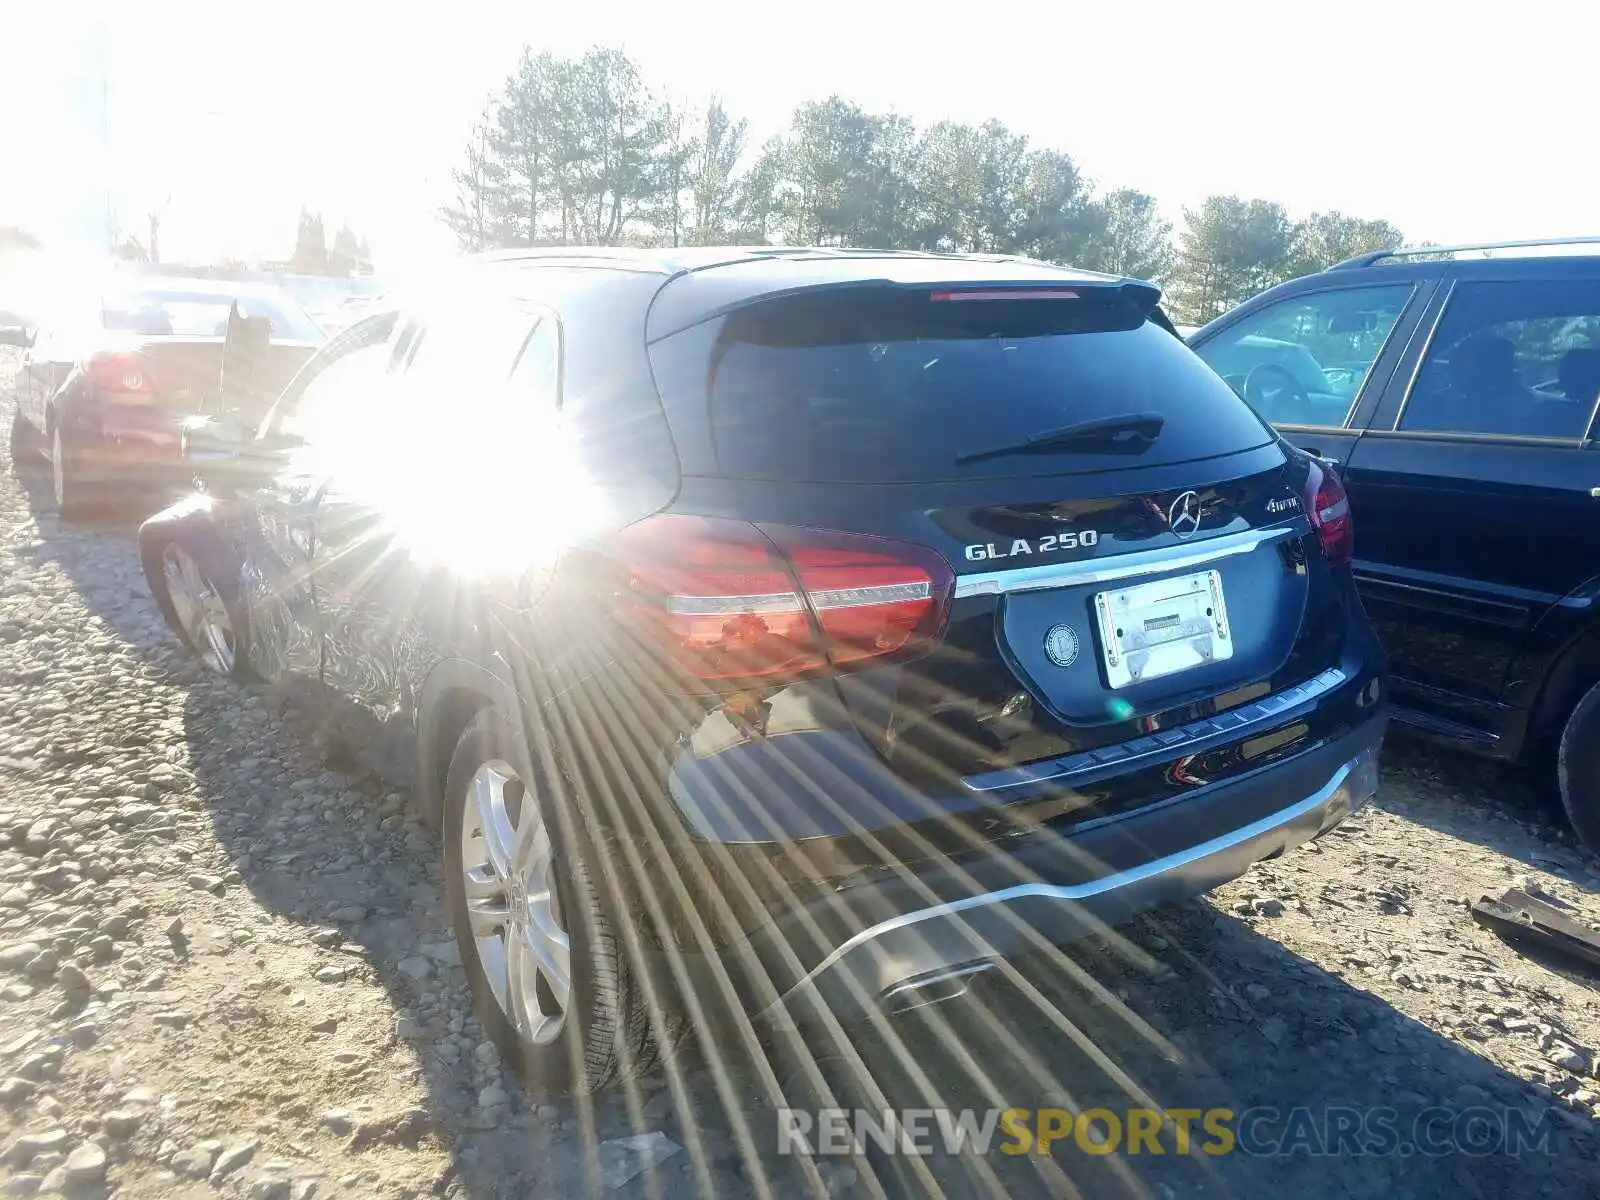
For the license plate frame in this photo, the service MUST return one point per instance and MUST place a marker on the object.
(1162, 628)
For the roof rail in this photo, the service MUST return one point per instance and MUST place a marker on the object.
(1372, 256)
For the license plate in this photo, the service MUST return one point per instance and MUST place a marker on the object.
(1157, 629)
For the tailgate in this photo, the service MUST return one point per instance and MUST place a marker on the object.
(187, 376)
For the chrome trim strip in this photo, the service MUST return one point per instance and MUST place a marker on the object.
(1133, 876)
(1422, 355)
(1122, 566)
(1349, 422)
(1163, 744)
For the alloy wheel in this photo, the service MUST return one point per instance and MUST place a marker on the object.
(507, 861)
(200, 609)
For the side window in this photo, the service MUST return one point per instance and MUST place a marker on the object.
(361, 341)
(1302, 361)
(466, 349)
(341, 393)
(535, 375)
(1512, 358)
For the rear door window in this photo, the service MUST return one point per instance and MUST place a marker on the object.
(883, 385)
(1514, 358)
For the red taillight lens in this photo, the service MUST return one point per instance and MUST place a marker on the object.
(1329, 507)
(728, 600)
(871, 597)
(119, 373)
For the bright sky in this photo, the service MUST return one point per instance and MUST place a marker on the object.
(1456, 122)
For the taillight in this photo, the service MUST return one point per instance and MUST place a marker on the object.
(1329, 507)
(729, 600)
(119, 374)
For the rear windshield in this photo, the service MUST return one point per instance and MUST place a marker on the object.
(201, 314)
(896, 387)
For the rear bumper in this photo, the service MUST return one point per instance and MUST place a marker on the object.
(108, 444)
(915, 934)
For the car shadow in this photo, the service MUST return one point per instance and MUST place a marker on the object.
(1185, 1010)
(122, 512)
(1511, 809)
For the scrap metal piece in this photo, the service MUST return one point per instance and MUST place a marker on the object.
(1519, 917)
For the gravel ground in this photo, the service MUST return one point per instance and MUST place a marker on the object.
(223, 971)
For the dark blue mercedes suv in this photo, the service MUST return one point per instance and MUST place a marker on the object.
(790, 634)
(1458, 388)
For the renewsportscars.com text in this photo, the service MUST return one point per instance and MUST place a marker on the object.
(1333, 1131)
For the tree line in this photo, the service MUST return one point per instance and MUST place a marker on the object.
(583, 150)
(348, 255)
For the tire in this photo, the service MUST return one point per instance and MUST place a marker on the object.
(75, 497)
(602, 1035)
(1578, 769)
(24, 440)
(164, 556)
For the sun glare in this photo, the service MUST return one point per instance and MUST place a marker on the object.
(476, 479)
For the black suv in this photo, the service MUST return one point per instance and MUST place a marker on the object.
(1457, 389)
(790, 633)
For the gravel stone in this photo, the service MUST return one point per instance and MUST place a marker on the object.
(231, 1159)
(1568, 1057)
(84, 1166)
(30, 1145)
(337, 1120)
(196, 1162)
(123, 1122)
(18, 955)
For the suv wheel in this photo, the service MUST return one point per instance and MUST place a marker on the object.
(74, 497)
(547, 974)
(208, 617)
(1578, 769)
(24, 440)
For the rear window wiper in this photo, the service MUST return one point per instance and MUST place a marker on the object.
(1129, 433)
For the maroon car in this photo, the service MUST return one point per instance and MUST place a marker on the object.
(104, 391)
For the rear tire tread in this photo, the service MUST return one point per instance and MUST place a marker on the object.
(24, 440)
(620, 1040)
(1578, 769)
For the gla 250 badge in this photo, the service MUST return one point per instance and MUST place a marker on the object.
(1021, 547)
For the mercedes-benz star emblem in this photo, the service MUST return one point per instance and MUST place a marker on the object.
(1183, 516)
